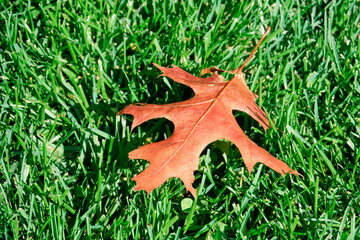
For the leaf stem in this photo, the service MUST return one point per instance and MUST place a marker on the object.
(253, 51)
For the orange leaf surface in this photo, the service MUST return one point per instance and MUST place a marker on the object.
(203, 119)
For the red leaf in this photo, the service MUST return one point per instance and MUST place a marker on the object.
(199, 121)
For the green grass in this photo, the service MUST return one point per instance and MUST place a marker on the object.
(67, 68)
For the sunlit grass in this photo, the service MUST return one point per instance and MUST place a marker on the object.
(67, 68)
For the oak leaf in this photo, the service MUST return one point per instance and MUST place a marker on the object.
(198, 121)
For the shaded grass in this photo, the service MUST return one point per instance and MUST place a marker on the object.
(69, 66)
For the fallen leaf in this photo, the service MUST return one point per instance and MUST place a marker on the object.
(203, 119)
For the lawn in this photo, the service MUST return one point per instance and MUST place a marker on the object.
(67, 68)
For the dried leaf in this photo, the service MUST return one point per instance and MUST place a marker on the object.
(203, 119)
